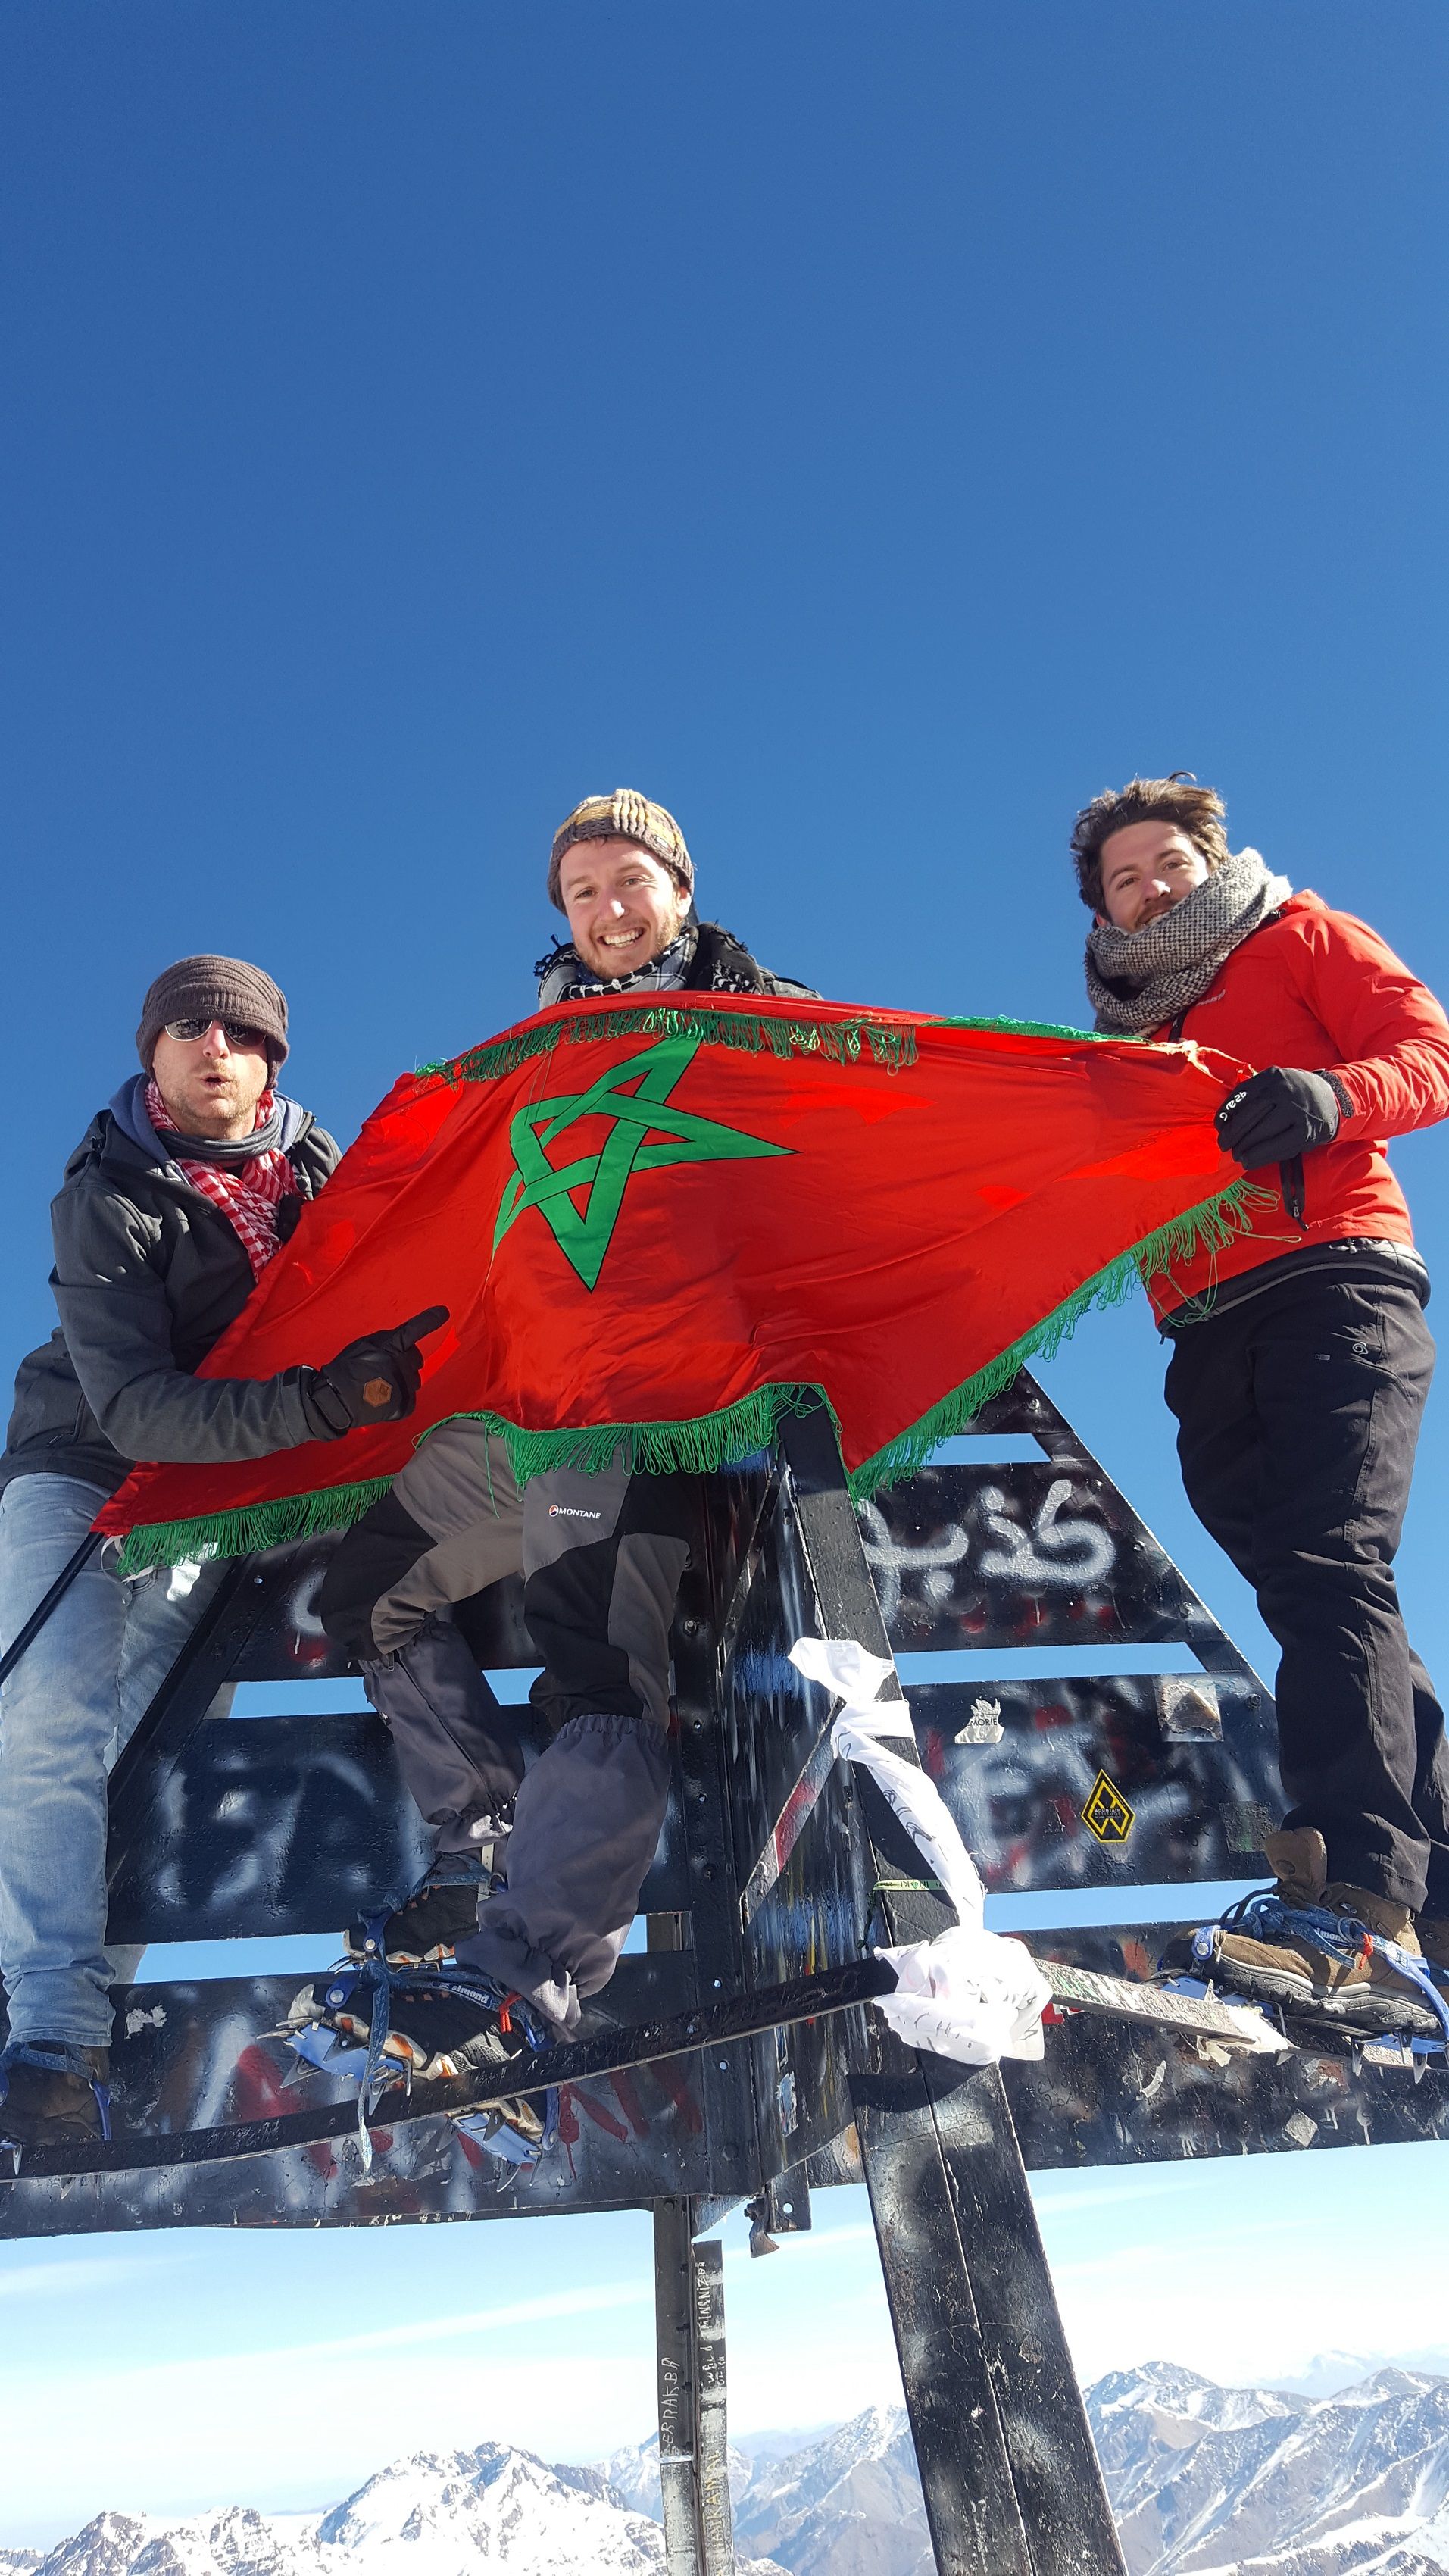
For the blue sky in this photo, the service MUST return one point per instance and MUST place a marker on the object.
(870, 432)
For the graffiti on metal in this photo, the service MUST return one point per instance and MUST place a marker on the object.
(1028, 1554)
(1018, 1783)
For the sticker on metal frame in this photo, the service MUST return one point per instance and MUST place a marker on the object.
(1107, 1813)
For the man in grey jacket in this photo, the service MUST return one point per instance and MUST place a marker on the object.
(172, 1205)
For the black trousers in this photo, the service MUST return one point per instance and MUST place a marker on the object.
(1298, 1412)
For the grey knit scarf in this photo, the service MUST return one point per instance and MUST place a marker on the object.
(265, 1137)
(1143, 979)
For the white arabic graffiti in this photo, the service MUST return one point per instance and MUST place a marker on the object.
(892, 1562)
(1056, 1551)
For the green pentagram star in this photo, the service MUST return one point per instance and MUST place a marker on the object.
(637, 1114)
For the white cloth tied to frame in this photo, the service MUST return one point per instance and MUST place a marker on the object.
(970, 1994)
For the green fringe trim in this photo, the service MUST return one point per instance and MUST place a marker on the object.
(711, 1440)
(755, 1033)
(692, 1448)
(1208, 1228)
(254, 1526)
(695, 1447)
(1047, 1029)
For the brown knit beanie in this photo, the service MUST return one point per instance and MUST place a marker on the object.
(215, 988)
(624, 817)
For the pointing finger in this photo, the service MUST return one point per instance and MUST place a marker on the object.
(427, 1322)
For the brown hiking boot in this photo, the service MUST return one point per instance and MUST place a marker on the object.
(49, 2095)
(1287, 1965)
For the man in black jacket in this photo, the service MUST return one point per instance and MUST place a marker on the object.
(601, 1554)
(173, 1203)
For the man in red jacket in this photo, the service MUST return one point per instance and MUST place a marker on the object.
(1300, 1365)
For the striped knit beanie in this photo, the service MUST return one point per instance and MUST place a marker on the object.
(625, 817)
(215, 988)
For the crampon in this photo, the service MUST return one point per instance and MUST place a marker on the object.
(1317, 1966)
(378, 2026)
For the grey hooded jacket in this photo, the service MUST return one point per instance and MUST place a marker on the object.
(148, 1275)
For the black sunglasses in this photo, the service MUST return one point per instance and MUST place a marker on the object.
(236, 1032)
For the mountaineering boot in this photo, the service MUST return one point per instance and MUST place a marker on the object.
(442, 1909)
(53, 2093)
(1305, 1942)
(437, 2026)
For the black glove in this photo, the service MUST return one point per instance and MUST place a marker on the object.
(374, 1380)
(1278, 1114)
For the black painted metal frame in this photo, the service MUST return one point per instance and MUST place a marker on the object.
(978, 2332)
(772, 1864)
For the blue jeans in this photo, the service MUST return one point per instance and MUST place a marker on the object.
(66, 1713)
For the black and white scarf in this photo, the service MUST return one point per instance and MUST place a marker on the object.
(1145, 979)
(724, 968)
(563, 976)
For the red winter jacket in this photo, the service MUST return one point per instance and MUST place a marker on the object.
(1320, 990)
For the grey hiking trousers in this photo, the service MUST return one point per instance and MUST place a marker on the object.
(601, 1557)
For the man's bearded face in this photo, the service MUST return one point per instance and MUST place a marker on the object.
(1146, 869)
(623, 905)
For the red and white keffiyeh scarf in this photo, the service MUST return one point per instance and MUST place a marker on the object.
(249, 1194)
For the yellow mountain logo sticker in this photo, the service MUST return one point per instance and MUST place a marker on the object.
(1106, 1813)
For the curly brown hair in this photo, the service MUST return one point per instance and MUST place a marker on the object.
(1198, 811)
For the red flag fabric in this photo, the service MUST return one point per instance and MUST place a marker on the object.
(660, 1225)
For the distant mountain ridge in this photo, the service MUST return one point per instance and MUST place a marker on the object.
(847, 2502)
(437, 2513)
(1204, 2480)
(1208, 2481)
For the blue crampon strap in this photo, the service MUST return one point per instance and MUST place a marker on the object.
(371, 1971)
(455, 1869)
(1418, 1975)
(1342, 1936)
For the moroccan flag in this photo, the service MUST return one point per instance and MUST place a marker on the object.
(662, 1224)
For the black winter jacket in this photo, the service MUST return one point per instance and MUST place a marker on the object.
(148, 1275)
(722, 963)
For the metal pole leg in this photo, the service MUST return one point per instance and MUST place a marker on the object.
(1008, 2471)
(693, 2452)
(1011, 2481)
(678, 2409)
(716, 2513)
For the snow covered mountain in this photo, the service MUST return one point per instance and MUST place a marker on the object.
(1208, 2481)
(1205, 2481)
(848, 2505)
(437, 2514)
(848, 2500)
(634, 2475)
